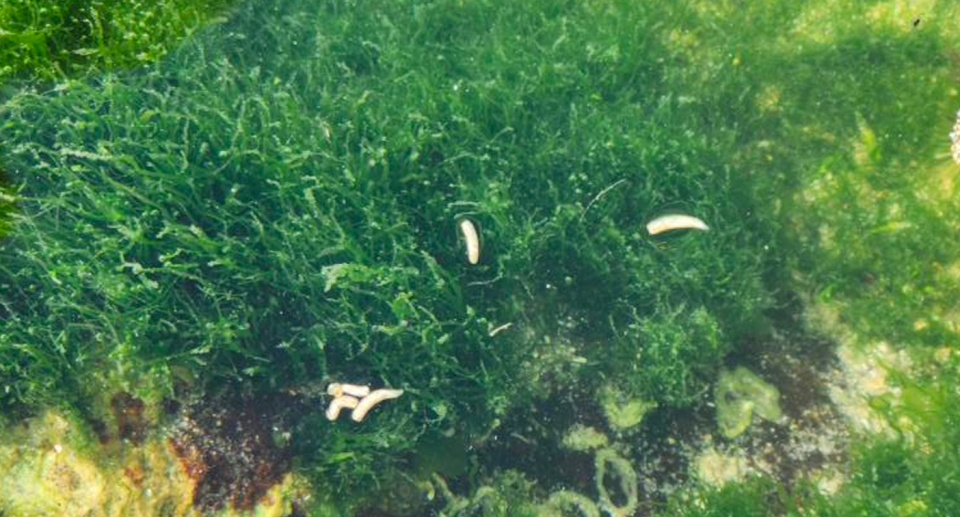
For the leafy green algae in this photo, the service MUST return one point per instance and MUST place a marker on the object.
(273, 206)
(7, 200)
(46, 469)
(52, 40)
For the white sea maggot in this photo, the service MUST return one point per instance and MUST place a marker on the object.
(471, 239)
(666, 223)
(336, 389)
(339, 403)
(367, 403)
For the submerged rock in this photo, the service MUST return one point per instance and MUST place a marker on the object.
(51, 466)
(229, 448)
(716, 468)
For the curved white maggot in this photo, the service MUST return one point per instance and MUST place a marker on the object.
(355, 390)
(666, 223)
(338, 403)
(472, 240)
(375, 397)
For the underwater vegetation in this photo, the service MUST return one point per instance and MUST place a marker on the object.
(59, 40)
(51, 467)
(278, 203)
(53, 40)
(6, 204)
(265, 223)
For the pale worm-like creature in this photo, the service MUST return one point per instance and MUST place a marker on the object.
(337, 389)
(375, 397)
(472, 239)
(338, 403)
(666, 223)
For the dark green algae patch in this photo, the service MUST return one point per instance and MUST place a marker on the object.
(273, 206)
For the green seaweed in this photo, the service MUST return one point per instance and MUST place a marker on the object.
(754, 497)
(7, 200)
(275, 204)
(62, 39)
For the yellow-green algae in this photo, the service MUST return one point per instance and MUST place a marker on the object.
(49, 467)
(739, 395)
(582, 438)
(623, 412)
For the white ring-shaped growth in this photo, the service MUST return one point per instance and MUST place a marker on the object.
(626, 481)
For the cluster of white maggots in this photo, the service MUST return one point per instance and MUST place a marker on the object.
(359, 399)
(955, 140)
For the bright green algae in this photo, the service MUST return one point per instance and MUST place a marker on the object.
(7, 200)
(286, 211)
(53, 40)
(41, 40)
(275, 204)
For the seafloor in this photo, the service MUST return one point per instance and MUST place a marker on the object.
(544, 257)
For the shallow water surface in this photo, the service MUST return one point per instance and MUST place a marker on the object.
(541, 258)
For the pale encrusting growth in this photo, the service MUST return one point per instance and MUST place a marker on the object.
(666, 223)
(619, 495)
